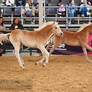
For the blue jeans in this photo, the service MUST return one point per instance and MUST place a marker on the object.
(71, 14)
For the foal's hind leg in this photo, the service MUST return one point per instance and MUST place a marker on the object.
(86, 56)
(16, 50)
(20, 57)
(89, 48)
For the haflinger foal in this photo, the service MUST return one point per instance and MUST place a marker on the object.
(36, 39)
(79, 38)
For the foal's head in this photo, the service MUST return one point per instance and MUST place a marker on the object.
(56, 29)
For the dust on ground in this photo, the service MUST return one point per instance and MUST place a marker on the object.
(62, 74)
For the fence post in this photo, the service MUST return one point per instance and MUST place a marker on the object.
(66, 16)
(40, 12)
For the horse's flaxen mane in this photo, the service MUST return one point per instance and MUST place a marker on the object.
(83, 26)
(44, 25)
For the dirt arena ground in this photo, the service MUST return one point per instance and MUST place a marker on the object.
(62, 74)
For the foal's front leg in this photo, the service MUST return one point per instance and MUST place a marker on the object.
(40, 61)
(45, 56)
(50, 44)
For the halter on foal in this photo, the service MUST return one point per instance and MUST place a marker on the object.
(79, 38)
(35, 39)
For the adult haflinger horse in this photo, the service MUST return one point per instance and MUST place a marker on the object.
(79, 38)
(35, 39)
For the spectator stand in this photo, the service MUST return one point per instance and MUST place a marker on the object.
(50, 13)
(8, 16)
(63, 20)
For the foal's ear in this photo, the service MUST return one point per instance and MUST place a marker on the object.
(55, 22)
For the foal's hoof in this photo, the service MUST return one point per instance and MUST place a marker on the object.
(44, 65)
(22, 68)
(89, 60)
(36, 63)
(23, 64)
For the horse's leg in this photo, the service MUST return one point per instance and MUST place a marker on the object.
(45, 56)
(88, 47)
(56, 44)
(40, 61)
(53, 48)
(16, 51)
(18, 57)
(21, 46)
(50, 44)
(85, 53)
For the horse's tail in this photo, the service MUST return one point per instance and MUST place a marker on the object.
(8, 35)
(4, 37)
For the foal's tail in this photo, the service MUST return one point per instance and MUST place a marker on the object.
(8, 35)
(4, 37)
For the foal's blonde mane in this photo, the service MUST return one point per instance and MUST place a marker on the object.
(83, 26)
(44, 25)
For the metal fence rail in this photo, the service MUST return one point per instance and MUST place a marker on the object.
(33, 21)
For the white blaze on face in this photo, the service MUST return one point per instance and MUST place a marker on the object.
(58, 30)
